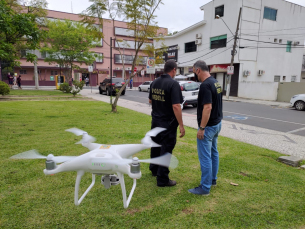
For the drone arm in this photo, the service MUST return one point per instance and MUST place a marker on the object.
(80, 173)
(126, 202)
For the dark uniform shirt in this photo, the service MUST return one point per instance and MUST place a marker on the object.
(164, 92)
(210, 92)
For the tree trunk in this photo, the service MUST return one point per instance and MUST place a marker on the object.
(36, 75)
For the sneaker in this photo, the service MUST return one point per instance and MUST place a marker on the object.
(169, 184)
(214, 183)
(199, 191)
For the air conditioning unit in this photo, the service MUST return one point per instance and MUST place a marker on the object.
(247, 73)
(198, 36)
(129, 69)
(296, 43)
(261, 72)
(57, 65)
(117, 68)
(198, 42)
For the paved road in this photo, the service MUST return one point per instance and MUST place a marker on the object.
(282, 142)
(285, 120)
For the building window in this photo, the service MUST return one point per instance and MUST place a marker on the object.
(43, 55)
(293, 78)
(99, 57)
(128, 59)
(277, 78)
(218, 42)
(219, 11)
(280, 41)
(284, 78)
(270, 13)
(22, 72)
(275, 40)
(288, 47)
(190, 47)
(303, 64)
(53, 73)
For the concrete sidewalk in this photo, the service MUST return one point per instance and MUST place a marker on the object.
(285, 143)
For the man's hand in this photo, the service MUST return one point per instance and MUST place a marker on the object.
(200, 134)
(182, 131)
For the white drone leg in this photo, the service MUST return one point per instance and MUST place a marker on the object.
(126, 202)
(77, 183)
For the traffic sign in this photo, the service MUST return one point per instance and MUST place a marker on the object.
(90, 68)
(135, 69)
(230, 70)
(150, 66)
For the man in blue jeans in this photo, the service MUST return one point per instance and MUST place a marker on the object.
(209, 116)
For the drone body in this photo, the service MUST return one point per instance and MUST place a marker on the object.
(105, 160)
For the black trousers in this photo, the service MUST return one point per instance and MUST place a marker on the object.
(167, 139)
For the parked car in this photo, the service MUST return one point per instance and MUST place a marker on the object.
(190, 91)
(298, 102)
(116, 84)
(145, 86)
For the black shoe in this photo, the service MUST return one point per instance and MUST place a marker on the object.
(214, 183)
(169, 184)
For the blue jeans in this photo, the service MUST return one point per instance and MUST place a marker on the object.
(208, 156)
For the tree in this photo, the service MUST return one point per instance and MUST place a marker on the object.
(68, 42)
(20, 29)
(140, 16)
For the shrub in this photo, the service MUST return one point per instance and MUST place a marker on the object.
(65, 88)
(4, 88)
(77, 87)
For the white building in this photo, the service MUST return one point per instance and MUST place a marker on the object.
(270, 45)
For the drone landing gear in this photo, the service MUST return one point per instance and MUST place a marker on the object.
(126, 202)
(107, 181)
(78, 178)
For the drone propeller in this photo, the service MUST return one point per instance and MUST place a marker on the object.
(152, 133)
(167, 160)
(33, 154)
(86, 137)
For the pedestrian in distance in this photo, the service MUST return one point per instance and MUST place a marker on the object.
(130, 83)
(87, 81)
(165, 97)
(10, 80)
(19, 82)
(15, 80)
(209, 116)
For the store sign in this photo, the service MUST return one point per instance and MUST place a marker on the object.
(171, 54)
(219, 68)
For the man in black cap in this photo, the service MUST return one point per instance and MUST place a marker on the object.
(165, 96)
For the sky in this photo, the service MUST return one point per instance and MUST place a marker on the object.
(175, 15)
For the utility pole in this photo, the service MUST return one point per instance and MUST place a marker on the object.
(233, 54)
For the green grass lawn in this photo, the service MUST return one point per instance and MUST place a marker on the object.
(17, 92)
(269, 194)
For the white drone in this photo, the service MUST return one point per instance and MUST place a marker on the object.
(105, 160)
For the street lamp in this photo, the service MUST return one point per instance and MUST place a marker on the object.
(234, 49)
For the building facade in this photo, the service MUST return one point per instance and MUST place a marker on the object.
(101, 66)
(269, 46)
